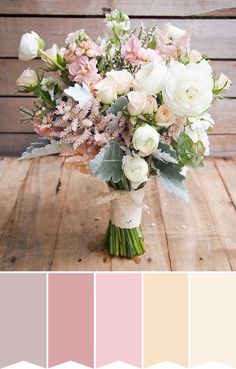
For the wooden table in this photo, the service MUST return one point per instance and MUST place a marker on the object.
(50, 220)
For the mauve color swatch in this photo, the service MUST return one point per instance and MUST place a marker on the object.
(119, 318)
(71, 318)
(23, 318)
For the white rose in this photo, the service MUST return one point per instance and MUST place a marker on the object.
(28, 78)
(194, 56)
(149, 78)
(29, 46)
(223, 82)
(137, 102)
(151, 105)
(135, 169)
(52, 53)
(146, 140)
(173, 32)
(123, 80)
(164, 116)
(187, 89)
(106, 90)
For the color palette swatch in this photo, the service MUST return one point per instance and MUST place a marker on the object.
(99, 319)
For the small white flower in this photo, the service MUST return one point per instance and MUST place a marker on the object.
(75, 36)
(151, 105)
(79, 93)
(194, 56)
(106, 90)
(197, 129)
(29, 46)
(53, 53)
(149, 78)
(28, 79)
(123, 80)
(135, 169)
(174, 33)
(137, 102)
(187, 89)
(222, 83)
(48, 84)
(164, 116)
(117, 20)
(145, 140)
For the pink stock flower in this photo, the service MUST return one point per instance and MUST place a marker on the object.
(83, 70)
(131, 49)
(149, 55)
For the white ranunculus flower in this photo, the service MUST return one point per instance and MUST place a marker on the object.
(187, 89)
(79, 93)
(145, 140)
(106, 90)
(149, 78)
(137, 102)
(28, 79)
(135, 169)
(194, 56)
(164, 116)
(52, 54)
(223, 82)
(151, 105)
(173, 32)
(123, 80)
(29, 46)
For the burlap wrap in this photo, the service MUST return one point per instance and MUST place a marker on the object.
(126, 207)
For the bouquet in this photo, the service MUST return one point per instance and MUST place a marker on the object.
(123, 107)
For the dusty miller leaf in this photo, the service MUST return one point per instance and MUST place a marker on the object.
(166, 153)
(171, 178)
(107, 164)
(113, 125)
(44, 147)
(118, 105)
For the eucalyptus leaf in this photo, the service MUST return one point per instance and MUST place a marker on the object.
(171, 178)
(44, 147)
(118, 105)
(166, 153)
(107, 164)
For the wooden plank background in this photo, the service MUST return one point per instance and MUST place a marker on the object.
(214, 34)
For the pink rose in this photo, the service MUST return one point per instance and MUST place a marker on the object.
(83, 70)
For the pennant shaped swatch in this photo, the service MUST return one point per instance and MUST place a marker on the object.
(165, 318)
(23, 318)
(118, 317)
(71, 319)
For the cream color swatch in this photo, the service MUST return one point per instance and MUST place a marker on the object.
(165, 321)
(213, 318)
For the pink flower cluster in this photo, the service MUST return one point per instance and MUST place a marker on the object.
(82, 61)
(133, 52)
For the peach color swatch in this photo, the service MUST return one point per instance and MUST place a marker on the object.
(165, 318)
(71, 318)
(119, 332)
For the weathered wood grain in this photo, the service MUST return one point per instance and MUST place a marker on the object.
(29, 239)
(223, 113)
(137, 8)
(50, 220)
(15, 144)
(193, 237)
(220, 204)
(214, 37)
(222, 145)
(11, 69)
(227, 171)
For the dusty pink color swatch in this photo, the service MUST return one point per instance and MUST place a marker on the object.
(71, 318)
(23, 318)
(118, 317)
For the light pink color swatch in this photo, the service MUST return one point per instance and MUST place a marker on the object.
(23, 318)
(71, 318)
(119, 318)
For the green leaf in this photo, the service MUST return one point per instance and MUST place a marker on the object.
(44, 147)
(190, 153)
(107, 164)
(118, 105)
(166, 153)
(152, 44)
(171, 178)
